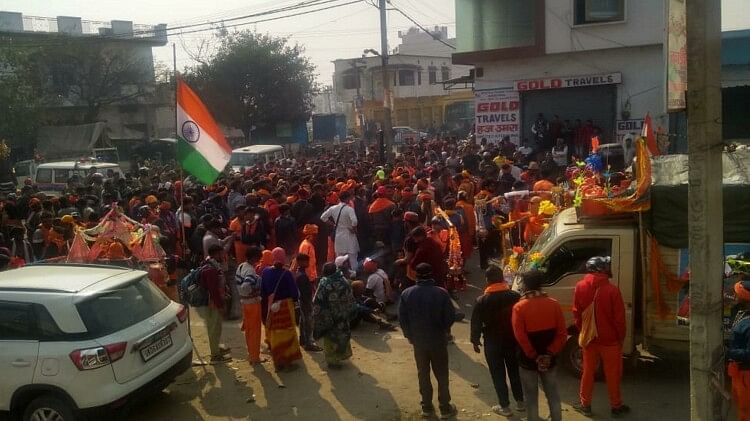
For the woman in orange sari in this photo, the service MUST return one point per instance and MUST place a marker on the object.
(278, 294)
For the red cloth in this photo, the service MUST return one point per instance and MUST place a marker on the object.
(611, 358)
(211, 279)
(533, 316)
(429, 251)
(610, 309)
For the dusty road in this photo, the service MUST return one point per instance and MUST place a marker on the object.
(380, 383)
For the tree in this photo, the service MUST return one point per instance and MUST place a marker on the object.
(255, 80)
(93, 74)
(19, 99)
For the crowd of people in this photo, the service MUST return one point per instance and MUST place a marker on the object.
(304, 249)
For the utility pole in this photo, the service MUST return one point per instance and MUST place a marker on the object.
(387, 123)
(705, 208)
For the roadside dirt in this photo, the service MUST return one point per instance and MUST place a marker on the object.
(380, 383)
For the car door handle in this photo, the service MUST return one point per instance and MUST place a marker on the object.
(20, 363)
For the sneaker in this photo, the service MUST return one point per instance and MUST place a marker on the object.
(224, 349)
(584, 410)
(428, 412)
(502, 410)
(313, 348)
(220, 359)
(448, 412)
(620, 411)
(520, 406)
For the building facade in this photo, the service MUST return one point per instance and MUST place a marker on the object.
(91, 71)
(599, 60)
(417, 71)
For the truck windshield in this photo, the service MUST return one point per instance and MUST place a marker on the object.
(547, 236)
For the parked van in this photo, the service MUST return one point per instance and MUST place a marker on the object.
(249, 156)
(52, 177)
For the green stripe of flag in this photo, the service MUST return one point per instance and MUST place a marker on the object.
(194, 163)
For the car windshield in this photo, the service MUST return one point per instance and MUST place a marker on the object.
(115, 310)
(243, 159)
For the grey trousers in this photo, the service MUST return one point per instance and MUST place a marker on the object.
(530, 380)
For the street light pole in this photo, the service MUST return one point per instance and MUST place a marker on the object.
(387, 123)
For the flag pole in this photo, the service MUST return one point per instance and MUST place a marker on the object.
(181, 220)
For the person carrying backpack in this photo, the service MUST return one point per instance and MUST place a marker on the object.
(599, 314)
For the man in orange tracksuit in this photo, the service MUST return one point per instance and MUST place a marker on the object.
(609, 314)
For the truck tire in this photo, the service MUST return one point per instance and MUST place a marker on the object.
(571, 358)
(48, 407)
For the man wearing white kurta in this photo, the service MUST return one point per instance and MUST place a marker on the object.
(345, 242)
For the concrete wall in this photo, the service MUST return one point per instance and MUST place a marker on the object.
(641, 68)
(643, 25)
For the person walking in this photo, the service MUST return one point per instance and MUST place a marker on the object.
(278, 294)
(212, 279)
(738, 351)
(599, 314)
(539, 327)
(426, 315)
(306, 290)
(248, 286)
(333, 306)
(491, 318)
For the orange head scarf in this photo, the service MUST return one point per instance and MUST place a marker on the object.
(742, 291)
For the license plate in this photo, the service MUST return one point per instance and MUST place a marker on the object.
(156, 346)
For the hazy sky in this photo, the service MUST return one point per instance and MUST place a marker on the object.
(337, 33)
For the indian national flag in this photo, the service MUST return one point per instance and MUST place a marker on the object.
(201, 147)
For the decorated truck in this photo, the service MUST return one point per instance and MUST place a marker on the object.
(646, 234)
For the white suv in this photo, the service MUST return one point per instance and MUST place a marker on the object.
(79, 341)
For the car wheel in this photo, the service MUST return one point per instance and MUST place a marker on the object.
(48, 408)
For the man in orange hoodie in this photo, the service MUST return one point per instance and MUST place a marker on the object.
(609, 316)
(539, 328)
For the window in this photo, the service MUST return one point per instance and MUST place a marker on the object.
(446, 73)
(433, 76)
(44, 175)
(598, 11)
(571, 257)
(23, 169)
(419, 77)
(406, 78)
(16, 321)
(61, 176)
(239, 159)
(350, 81)
(483, 25)
(116, 310)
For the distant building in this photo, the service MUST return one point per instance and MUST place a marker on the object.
(128, 100)
(609, 61)
(419, 73)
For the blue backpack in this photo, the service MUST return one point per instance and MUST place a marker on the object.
(192, 291)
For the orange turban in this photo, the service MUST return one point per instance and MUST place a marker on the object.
(424, 197)
(310, 229)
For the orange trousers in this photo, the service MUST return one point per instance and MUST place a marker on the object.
(740, 391)
(251, 325)
(611, 357)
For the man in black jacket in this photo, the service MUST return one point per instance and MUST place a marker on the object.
(492, 317)
(426, 315)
